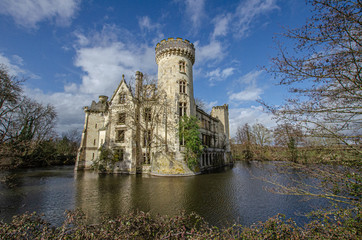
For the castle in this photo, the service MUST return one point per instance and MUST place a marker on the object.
(137, 129)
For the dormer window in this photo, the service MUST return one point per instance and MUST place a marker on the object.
(182, 66)
(122, 98)
(182, 86)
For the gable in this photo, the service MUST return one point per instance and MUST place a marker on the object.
(122, 88)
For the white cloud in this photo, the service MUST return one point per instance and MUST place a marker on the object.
(218, 75)
(149, 27)
(211, 51)
(14, 66)
(243, 18)
(146, 24)
(251, 115)
(18, 60)
(13, 69)
(221, 25)
(28, 13)
(248, 11)
(251, 91)
(104, 58)
(195, 11)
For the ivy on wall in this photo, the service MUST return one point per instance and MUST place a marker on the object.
(189, 135)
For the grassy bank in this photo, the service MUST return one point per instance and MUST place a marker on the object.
(313, 154)
(139, 225)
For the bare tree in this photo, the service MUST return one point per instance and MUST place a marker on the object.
(244, 136)
(290, 137)
(145, 112)
(262, 135)
(323, 71)
(10, 96)
(200, 103)
(327, 56)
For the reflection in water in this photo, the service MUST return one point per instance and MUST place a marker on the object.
(220, 197)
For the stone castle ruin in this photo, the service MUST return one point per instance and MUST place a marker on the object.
(137, 129)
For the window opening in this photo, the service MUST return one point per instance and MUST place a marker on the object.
(122, 98)
(182, 86)
(122, 118)
(120, 135)
(182, 66)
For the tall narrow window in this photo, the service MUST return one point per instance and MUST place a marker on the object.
(182, 86)
(182, 109)
(147, 138)
(122, 118)
(122, 98)
(182, 66)
(120, 136)
(147, 114)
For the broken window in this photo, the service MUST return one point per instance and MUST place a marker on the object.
(119, 154)
(147, 114)
(122, 118)
(120, 136)
(147, 138)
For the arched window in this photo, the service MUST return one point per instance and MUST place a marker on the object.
(182, 66)
(182, 86)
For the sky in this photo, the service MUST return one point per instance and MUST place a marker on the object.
(72, 51)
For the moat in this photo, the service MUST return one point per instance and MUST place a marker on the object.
(224, 196)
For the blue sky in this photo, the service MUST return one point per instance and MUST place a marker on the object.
(71, 51)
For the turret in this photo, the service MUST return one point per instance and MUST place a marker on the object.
(222, 113)
(175, 58)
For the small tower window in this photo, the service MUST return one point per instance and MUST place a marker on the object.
(182, 109)
(182, 86)
(122, 98)
(182, 66)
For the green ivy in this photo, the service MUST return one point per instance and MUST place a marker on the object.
(189, 132)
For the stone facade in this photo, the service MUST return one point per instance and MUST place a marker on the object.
(138, 128)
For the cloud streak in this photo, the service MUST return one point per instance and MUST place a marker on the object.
(28, 13)
(241, 21)
(250, 92)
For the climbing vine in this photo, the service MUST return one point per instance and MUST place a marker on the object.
(189, 134)
(107, 158)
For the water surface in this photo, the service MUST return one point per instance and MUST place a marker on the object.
(228, 195)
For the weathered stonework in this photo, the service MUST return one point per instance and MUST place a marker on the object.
(112, 124)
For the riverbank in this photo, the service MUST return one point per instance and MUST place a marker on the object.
(140, 225)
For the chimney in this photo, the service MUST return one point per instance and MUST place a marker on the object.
(139, 78)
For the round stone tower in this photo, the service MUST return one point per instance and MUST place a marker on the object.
(175, 58)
